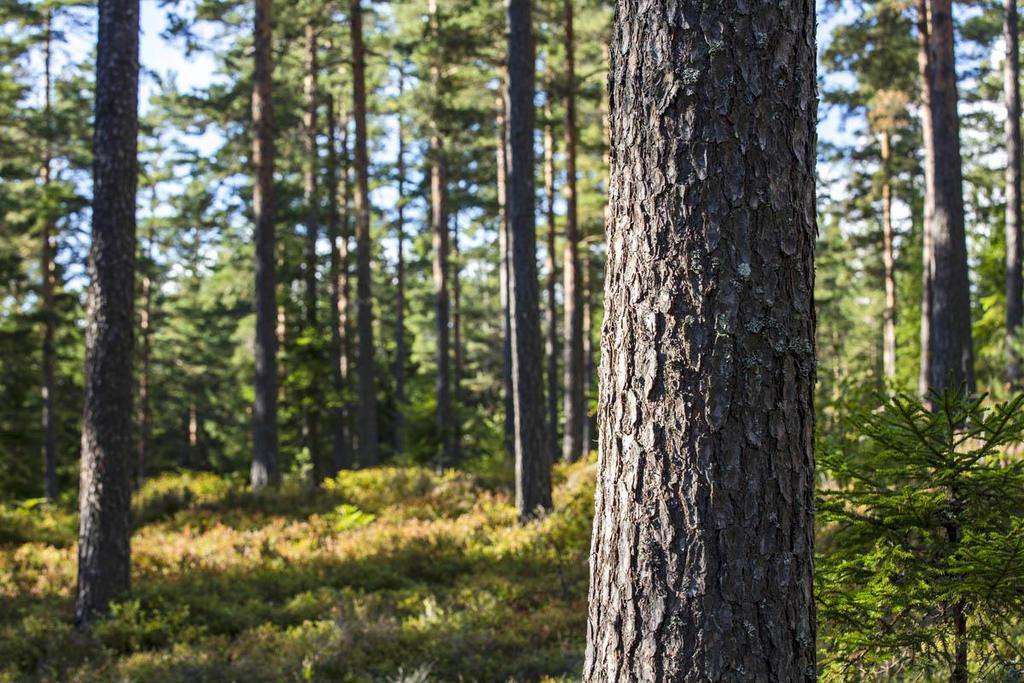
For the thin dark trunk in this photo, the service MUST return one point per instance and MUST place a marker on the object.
(47, 272)
(948, 356)
(341, 450)
(400, 352)
(503, 269)
(572, 438)
(104, 537)
(364, 252)
(889, 263)
(311, 198)
(589, 423)
(264, 464)
(1014, 277)
(457, 350)
(533, 468)
(702, 555)
(146, 330)
(551, 345)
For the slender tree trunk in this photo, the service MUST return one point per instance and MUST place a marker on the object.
(400, 351)
(1014, 278)
(47, 271)
(948, 354)
(924, 70)
(104, 536)
(146, 331)
(457, 350)
(341, 450)
(311, 197)
(364, 251)
(702, 556)
(551, 344)
(264, 465)
(533, 468)
(889, 262)
(572, 438)
(504, 280)
(589, 425)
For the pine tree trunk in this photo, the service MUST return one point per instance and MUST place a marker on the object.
(702, 556)
(146, 331)
(439, 246)
(572, 438)
(947, 350)
(341, 450)
(1014, 277)
(589, 423)
(104, 555)
(504, 279)
(264, 465)
(311, 198)
(457, 351)
(400, 351)
(533, 468)
(889, 263)
(924, 70)
(47, 270)
(367, 411)
(551, 344)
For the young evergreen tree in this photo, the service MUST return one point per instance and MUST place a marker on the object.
(706, 417)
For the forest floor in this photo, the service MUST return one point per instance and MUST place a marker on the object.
(397, 575)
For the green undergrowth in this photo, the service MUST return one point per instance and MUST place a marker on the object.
(391, 574)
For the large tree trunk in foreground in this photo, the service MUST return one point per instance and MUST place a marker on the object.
(367, 414)
(264, 463)
(104, 536)
(889, 263)
(551, 338)
(337, 235)
(1014, 277)
(572, 438)
(47, 275)
(947, 351)
(703, 536)
(311, 198)
(533, 468)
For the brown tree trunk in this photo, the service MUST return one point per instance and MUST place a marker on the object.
(104, 536)
(457, 350)
(889, 263)
(264, 464)
(367, 413)
(947, 350)
(924, 70)
(572, 437)
(47, 271)
(551, 343)
(400, 352)
(341, 449)
(1014, 277)
(533, 468)
(503, 268)
(146, 331)
(311, 198)
(589, 424)
(702, 556)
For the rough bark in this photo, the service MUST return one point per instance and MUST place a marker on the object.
(551, 341)
(400, 351)
(341, 450)
(503, 268)
(947, 351)
(702, 554)
(533, 468)
(104, 535)
(1014, 277)
(47, 272)
(572, 437)
(311, 198)
(367, 394)
(889, 264)
(264, 469)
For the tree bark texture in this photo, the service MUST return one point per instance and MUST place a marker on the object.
(889, 264)
(947, 352)
(702, 554)
(1014, 277)
(104, 536)
(47, 272)
(367, 395)
(533, 468)
(264, 464)
(311, 198)
(503, 266)
(572, 437)
(551, 340)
